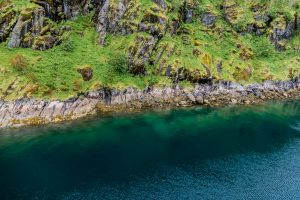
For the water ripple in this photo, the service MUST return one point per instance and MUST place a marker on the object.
(296, 126)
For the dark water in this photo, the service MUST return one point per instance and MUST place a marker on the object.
(240, 152)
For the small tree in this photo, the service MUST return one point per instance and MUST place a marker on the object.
(19, 62)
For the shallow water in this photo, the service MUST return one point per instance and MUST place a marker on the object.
(238, 152)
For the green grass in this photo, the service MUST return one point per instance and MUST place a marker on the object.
(23, 4)
(54, 70)
(52, 74)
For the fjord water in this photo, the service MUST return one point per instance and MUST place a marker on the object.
(236, 152)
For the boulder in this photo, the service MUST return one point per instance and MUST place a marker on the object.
(86, 73)
(208, 19)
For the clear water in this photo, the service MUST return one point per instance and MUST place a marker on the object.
(239, 152)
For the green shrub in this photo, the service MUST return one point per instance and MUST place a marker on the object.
(119, 62)
(68, 46)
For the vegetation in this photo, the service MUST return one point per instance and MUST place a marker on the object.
(19, 62)
(240, 56)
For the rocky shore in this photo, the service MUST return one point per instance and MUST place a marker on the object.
(35, 112)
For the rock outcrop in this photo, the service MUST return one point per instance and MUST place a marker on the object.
(34, 25)
(34, 30)
(281, 29)
(109, 18)
(64, 9)
(140, 53)
(34, 112)
(7, 19)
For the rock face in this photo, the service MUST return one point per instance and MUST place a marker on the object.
(33, 26)
(161, 3)
(64, 9)
(33, 112)
(33, 30)
(181, 39)
(188, 11)
(7, 19)
(109, 17)
(140, 54)
(281, 29)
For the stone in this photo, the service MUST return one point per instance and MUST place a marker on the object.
(209, 19)
(161, 3)
(86, 72)
(234, 101)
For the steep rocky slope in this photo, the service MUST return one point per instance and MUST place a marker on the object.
(120, 43)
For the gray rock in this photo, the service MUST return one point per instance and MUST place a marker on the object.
(161, 3)
(31, 112)
(209, 19)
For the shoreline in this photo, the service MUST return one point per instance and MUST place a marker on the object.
(26, 112)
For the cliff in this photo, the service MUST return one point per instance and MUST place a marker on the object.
(57, 50)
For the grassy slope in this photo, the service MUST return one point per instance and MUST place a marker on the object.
(52, 74)
(54, 71)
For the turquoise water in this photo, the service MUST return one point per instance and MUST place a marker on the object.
(239, 152)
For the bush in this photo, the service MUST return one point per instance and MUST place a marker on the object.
(119, 62)
(19, 62)
(68, 46)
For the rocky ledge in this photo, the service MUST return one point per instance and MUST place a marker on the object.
(34, 112)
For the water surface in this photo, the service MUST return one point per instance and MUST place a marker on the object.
(238, 152)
